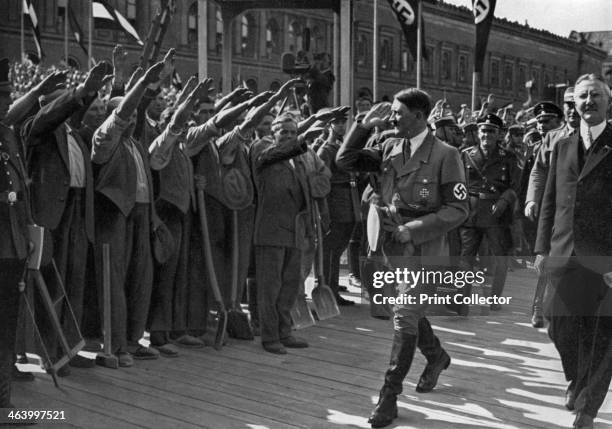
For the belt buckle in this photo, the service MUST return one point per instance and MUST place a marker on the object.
(12, 197)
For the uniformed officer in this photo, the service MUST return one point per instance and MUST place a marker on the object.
(448, 131)
(14, 215)
(422, 183)
(492, 176)
(470, 135)
(548, 116)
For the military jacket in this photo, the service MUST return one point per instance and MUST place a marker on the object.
(490, 179)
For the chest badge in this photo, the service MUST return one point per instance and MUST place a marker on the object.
(424, 193)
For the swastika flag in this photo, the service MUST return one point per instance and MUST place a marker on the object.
(483, 18)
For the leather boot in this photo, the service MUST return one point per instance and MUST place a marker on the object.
(402, 354)
(437, 358)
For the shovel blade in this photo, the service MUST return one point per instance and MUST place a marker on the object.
(325, 302)
(301, 315)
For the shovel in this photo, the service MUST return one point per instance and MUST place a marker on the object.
(238, 325)
(322, 296)
(200, 183)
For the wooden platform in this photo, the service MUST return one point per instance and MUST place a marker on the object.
(504, 375)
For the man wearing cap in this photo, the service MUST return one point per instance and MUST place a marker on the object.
(281, 227)
(422, 187)
(548, 117)
(470, 135)
(492, 176)
(537, 171)
(59, 162)
(14, 216)
(448, 131)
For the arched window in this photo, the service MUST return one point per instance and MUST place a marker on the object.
(192, 24)
(386, 54)
(73, 63)
(248, 35)
(294, 36)
(362, 50)
(273, 45)
(445, 65)
(219, 31)
(275, 86)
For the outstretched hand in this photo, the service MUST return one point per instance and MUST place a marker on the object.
(377, 116)
(53, 82)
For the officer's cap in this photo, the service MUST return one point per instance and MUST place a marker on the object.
(470, 126)
(547, 109)
(490, 119)
(568, 95)
(447, 121)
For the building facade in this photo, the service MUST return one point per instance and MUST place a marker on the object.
(516, 53)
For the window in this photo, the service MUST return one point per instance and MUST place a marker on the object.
(508, 76)
(192, 24)
(219, 31)
(252, 85)
(386, 54)
(428, 64)
(494, 78)
(522, 75)
(445, 65)
(247, 36)
(407, 63)
(131, 12)
(294, 37)
(362, 50)
(273, 44)
(462, 68)
(317, 40)
(61, 14)
(535, 74)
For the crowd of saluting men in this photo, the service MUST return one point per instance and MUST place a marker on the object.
(117, 159)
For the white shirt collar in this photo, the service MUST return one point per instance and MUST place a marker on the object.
(417, 141)
(596, 131)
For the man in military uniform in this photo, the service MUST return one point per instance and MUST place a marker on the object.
(448, 131)
(423, 185)
(492, 176)
(14, 215)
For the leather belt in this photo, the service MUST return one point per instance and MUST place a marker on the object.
(484, 195)
(410, 214)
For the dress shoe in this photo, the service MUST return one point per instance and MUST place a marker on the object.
(570, 396)
(143, 353)
(275, 347)
(294, 342)
(431, 373)
(166, 350)
(17, 375)
(188, 341)
(82, 362)
(125, 359)
(344, 302)
(583, 421)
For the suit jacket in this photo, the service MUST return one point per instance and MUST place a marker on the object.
(13, 217)
(116, 170)
(576, 212)
(283, 200)
(430, 183)
(49, 164)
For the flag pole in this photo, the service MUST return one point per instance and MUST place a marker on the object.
(419, 44)
(66, 33)
(89, 33)
(375, 53)
(22, 30)
(474, 86)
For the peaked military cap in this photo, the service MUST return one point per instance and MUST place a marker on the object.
(547, 108)
(447, 121)
(492, 120)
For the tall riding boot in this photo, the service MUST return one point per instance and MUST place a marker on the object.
(402, 354)
(437, 358)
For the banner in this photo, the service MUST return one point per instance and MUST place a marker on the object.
(107, 17)
(483, 11)
(76, 29)
(30, 16)
(406, 13)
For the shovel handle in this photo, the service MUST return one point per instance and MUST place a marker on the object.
(106, 297)
(319, 244)
(235, 258)
(214, 284)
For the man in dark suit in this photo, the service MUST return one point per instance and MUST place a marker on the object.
(62, 192)
(574, 244)
(422, 183)
(125, 200)
(535, 172)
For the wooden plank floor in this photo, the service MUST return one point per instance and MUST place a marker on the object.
(504, 375)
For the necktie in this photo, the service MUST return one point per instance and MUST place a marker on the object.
(589, 139)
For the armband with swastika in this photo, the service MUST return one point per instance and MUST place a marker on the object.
(454, 191)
